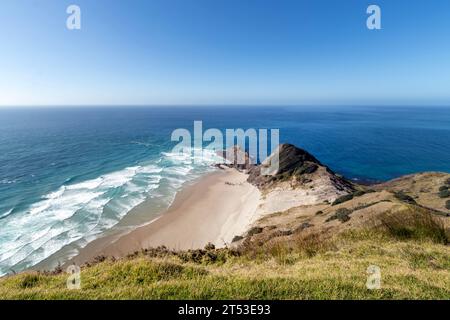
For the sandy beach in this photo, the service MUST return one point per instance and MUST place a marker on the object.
(215, 209)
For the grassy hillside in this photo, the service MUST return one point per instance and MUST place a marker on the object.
(415, 264)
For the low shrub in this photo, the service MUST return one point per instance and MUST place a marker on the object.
(404, 197)
(359, 193)
(342, 199)
(447, 204)
(341, 214)
(444, 194)
(237, 238)
(254, 230)
(281, 233)
(207, 255)
(303, 226)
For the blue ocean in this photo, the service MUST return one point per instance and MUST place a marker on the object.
(68, 175)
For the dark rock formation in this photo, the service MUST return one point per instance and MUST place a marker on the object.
(237, 158)
(292, 163)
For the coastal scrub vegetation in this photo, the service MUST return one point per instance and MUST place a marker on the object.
(410, 247)
(404, 197)
(343, 199)
(341, 214)
(350, 196)
(444, 193)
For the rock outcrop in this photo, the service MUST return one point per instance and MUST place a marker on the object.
(295, 165)
(237, 158)
(289, 177)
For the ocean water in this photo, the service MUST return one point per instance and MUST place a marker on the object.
(68, 175)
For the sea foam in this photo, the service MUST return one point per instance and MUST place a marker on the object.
(80, 212)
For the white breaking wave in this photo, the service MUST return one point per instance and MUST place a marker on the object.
(6, 181)
(81, 211)
(7, 213)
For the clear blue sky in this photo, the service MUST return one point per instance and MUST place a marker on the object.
(224, 52)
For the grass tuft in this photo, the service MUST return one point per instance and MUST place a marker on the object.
(417, 224)
(29, 281)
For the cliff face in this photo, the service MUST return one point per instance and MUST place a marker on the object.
(295, 165)
(296, 178)
(299, 181)
(287, 161)
(300, 193)
(295, 211)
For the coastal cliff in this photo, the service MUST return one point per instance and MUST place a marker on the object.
(305, 196)
(313, 234)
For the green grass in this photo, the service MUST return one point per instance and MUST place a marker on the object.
(305, 268)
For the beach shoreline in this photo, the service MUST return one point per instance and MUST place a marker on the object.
(215, 209)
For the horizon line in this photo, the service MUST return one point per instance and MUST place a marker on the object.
(224, 105)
